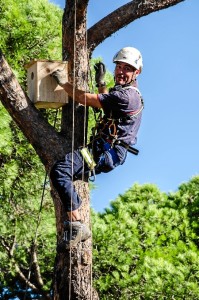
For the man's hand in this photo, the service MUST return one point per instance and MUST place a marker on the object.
(60, 77)
(100, 71)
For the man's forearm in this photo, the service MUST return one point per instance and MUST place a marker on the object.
(81, 96)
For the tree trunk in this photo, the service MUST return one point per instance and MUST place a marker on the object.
(73, 270)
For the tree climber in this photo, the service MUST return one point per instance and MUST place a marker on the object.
(114, 134)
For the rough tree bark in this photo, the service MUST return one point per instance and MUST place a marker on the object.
(72, 278)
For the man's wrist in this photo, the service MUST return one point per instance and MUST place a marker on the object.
(101, 84)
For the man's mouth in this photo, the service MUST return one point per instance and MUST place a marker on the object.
(120, 77)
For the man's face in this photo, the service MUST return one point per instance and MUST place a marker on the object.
(124, 73)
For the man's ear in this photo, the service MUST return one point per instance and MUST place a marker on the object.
(137, 72)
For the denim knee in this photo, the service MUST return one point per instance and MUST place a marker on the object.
(61, 177)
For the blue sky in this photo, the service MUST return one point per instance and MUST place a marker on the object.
(168, 137)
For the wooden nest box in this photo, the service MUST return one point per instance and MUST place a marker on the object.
(43, 90)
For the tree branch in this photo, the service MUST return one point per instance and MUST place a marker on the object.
(123, 16)
(24, 279)
(46, 141)
(5, 245)
(29, 284)
(36, 267)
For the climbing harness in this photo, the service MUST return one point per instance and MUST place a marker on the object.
(101, 148)
(111, 123)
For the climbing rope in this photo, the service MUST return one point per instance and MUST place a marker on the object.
(35, 236)
(72, 144)
(84, 145)
(79, 249)
(38, 221)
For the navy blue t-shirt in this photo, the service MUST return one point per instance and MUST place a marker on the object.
(118, 104)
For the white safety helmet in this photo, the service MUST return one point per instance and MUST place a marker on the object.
(131, 56)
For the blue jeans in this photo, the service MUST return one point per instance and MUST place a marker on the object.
(62, 174)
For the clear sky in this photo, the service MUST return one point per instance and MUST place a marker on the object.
(168, 137)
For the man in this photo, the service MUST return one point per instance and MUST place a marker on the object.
(116, 132)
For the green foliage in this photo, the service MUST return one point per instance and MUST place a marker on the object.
(22, 179)
(29, 29)
(146, 245)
